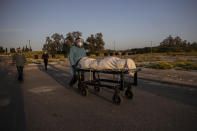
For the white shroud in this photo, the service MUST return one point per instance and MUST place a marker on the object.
(112, 63)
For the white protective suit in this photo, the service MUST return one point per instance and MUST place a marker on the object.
(108, 63)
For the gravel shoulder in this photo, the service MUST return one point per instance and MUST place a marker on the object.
(179, 77)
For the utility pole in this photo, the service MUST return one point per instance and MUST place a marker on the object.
(29, 43)
(114, 45)
(151, 51)
(151, 48)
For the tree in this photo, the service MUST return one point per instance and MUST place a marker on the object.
(12, 50)
(30, 49)
(49, 46)
(69, 41)
(76, 34)
(57, 41)
(95, 43)
(1, 49)
(6, 50)
(99, 41)
(72, 36)
(23, 49)
(91, 43)
(194, 45)
(66, 47)
(69, 37)
(26, 49)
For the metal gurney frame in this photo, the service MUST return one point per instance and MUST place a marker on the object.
(96, 82)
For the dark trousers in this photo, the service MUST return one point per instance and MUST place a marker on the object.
(45, 64)
(20, 72)
(75, 79)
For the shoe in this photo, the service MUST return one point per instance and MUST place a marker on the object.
(73, 81)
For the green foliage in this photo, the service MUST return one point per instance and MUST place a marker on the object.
(63, 59)
(162, 65)
(188, 65)
(176, 44)
(95, 43)
(169, 44)
(1, 49)
(58, 44)
(12, 50)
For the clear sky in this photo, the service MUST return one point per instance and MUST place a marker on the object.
(130, 23)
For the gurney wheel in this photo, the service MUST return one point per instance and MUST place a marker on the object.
(84, 91)
(97, 89)
(117, 99)
(79, 86)
(129, 94)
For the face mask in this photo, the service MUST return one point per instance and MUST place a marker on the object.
(80, 44)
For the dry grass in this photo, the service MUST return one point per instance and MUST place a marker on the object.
(162, 65)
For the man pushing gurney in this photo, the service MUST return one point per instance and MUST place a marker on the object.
(78, 59)
(76, 53)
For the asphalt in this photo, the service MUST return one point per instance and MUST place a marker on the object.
(43, 102)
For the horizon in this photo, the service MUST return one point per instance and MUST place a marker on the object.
(128, 24)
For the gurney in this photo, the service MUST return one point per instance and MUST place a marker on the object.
(118, 85)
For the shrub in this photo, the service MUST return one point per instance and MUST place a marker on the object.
(53, 60)
(188, 65)
(28, 60)
(62, 59)
(162, 65)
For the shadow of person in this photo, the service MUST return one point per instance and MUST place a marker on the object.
(63, 77)
(12, 115)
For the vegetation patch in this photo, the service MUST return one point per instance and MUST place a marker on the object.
(53, 60)
(188, 65)
(162, 65)
(63, 59)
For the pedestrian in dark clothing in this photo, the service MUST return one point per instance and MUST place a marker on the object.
(20, 61)
(45, 56)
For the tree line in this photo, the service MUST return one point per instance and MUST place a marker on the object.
(13, 50)
(169, 44)
(60, 44)
(176, 44)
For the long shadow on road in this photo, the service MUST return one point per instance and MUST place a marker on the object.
(183, 95)
(12, 115)
(63, 77)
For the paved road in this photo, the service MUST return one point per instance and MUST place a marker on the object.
(12, 115)
(49, 105)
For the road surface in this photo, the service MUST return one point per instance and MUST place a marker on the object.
(43, 102)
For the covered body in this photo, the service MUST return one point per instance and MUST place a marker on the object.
(108, 63)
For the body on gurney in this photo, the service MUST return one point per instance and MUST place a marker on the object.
(108, 63)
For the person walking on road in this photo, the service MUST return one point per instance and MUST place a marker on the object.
(77, 52)
(45, 56)
(20, 60)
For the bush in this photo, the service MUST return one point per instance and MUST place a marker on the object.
(188, 65)
(53, 60)
(62, 59)
(162, 65)
(29, 60)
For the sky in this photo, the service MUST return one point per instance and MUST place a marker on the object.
(123, 23)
